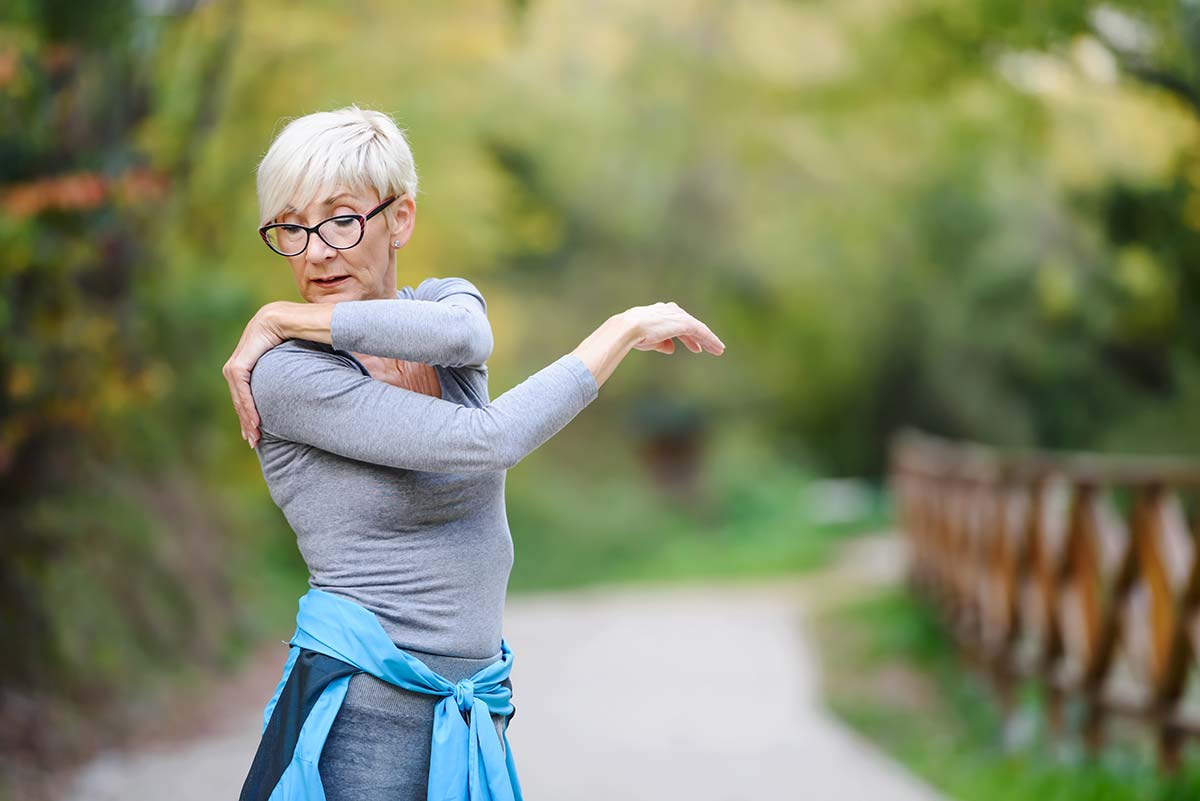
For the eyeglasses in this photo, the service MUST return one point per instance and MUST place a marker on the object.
(340, 233)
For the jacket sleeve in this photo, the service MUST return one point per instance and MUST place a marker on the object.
(322, 399)
(446, 324)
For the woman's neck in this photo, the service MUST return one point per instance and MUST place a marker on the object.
(386, 293)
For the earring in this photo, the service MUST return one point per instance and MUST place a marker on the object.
(396, 243)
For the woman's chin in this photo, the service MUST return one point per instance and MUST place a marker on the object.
(315, 293)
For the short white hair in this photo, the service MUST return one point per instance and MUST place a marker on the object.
(352, 147)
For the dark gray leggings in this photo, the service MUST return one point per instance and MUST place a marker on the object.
(378, 747)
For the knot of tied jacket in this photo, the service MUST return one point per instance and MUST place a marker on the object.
(464, 694)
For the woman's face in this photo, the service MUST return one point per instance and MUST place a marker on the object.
(368, 270)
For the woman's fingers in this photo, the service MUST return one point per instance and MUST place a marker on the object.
(249, 413)
(701, 333)
(230, 372)
(695, 334)
(693, 342)
(698, 340)
(259, 336)
(704, 334)
(238, 379)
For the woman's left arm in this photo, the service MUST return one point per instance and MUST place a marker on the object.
(450, 329)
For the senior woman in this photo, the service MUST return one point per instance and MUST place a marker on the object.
(369, 410)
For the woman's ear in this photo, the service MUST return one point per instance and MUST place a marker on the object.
(403, 220)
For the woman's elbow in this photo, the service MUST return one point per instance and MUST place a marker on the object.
(478, 442)
(477, 342)
(502, 453)
(482, 460)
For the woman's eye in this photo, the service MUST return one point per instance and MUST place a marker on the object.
(345, 222)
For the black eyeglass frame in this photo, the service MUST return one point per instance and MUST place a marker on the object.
(309, 231)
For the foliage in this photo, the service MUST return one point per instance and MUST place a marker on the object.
(754, 518)
(891, 673)
(975, 216)
(113, 565)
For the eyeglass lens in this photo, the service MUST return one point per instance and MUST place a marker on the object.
(338, 232)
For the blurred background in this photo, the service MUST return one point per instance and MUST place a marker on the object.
(978, 218)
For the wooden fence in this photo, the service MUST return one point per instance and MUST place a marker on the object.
(1078, 569)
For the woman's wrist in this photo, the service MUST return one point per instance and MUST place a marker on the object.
(311, 321)
(605, 347)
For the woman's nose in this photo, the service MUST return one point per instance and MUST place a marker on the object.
(318, 251)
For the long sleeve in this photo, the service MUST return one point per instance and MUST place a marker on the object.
(319, 398)
(445, 324)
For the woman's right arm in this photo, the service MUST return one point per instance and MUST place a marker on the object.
(317, 398)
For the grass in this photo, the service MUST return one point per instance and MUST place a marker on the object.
(751, 516)
(892, 675)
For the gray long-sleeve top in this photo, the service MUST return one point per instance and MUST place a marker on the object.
(396, 497)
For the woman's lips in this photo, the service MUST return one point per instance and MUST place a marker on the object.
(331, 281)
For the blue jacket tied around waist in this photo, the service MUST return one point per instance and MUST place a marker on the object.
(336, 638)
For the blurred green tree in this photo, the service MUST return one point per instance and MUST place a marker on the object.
(111, 562)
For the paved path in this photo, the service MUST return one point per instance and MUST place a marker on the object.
(706, 693)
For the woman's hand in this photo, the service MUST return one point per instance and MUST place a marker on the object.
(419, 377)
(657, 325)
(414, 376)
(645, 328)
(262, 333)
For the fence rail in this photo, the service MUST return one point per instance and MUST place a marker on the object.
(1080, 570)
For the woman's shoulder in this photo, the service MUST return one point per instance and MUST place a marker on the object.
(293, 359)
(301, 348)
